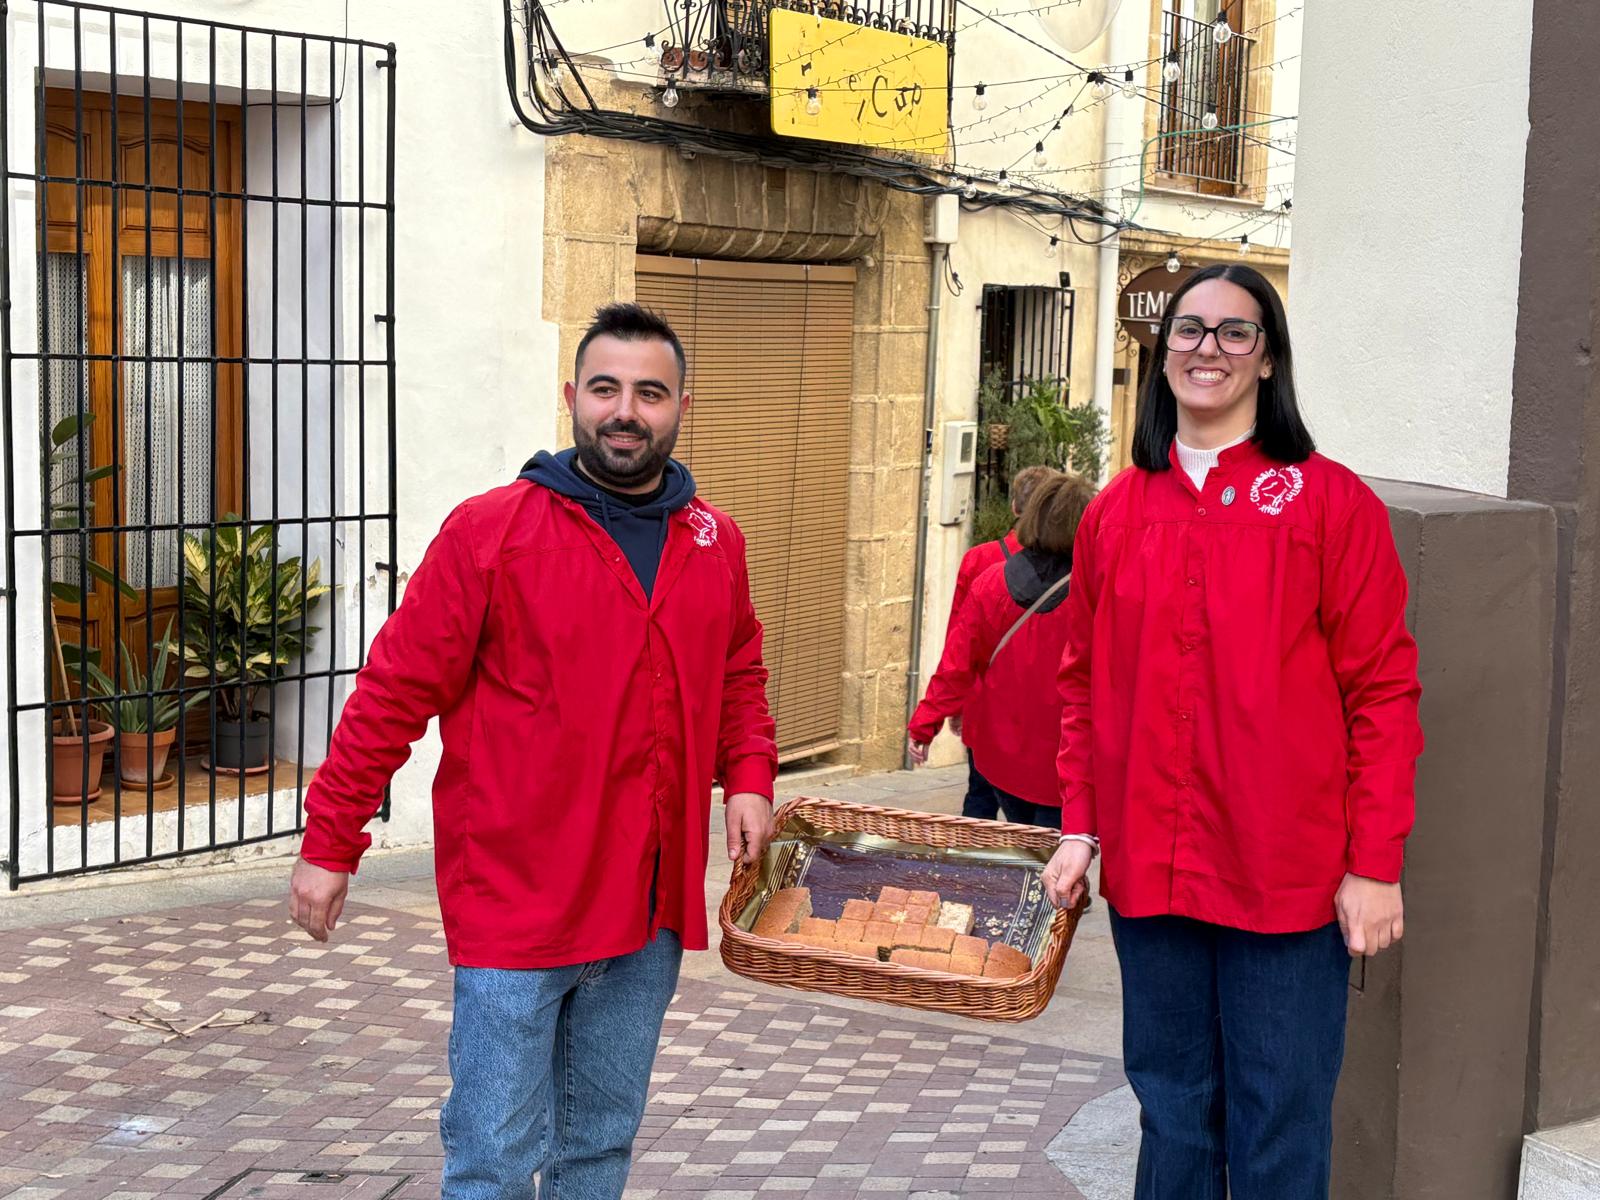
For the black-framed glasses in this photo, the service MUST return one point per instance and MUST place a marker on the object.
(1234, 336)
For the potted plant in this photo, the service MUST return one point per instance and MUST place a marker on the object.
(77, 747)
(146, 724)
(244, 624)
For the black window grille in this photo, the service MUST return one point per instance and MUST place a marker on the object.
(1213, 86)
(1025, 346)
(198, 346)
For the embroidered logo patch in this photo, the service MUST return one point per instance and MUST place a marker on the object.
(1272, 490)
(704, 526)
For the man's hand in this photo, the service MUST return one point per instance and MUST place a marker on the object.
(1371, 915)
(316, 898)
(917, 750)
(1064, 877)
(748, 819)
(953, 724)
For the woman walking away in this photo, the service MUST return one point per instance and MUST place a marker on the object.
(981, 800)
(1239, 731)
(1001, 656)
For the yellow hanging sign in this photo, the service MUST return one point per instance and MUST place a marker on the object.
(832, 81)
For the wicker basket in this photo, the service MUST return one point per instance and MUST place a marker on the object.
(812, 969)
(999, 436)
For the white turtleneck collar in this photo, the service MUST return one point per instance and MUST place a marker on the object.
(1197, 464)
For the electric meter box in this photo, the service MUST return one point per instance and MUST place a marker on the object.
(960, 465)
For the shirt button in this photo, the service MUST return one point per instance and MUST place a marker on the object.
(1194, 582)
(1188, 647)
(1185, 715)
(1201, 511)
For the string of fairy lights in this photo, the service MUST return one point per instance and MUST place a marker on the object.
(1032, 184)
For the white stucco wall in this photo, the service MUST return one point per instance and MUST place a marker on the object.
(471, 346)
(1408, 207)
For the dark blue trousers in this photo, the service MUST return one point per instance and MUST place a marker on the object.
(1232, 1042)
(981, 800)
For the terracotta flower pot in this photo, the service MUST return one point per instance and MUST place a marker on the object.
(144, 756)
(73, 776)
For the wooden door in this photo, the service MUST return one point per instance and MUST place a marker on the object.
(149, 290)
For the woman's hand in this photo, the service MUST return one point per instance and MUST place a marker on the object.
(1371, 915)
(917, 750)
(1064, 877)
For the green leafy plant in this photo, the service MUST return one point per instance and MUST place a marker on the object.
(993, 519)
(1041, 429)
(136, 713)
(67, 500)
(244, 621)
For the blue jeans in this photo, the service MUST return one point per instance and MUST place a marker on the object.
(981, 800)
(1232, 1042)
(549, 1071)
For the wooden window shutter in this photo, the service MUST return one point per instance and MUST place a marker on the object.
(768, 440)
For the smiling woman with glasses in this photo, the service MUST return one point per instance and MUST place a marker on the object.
(1239, 733)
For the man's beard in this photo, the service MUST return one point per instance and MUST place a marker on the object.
(610, 469)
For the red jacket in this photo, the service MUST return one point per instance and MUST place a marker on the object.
(582, 727)
(1012, 708)
(1240, 720)
(975, 562)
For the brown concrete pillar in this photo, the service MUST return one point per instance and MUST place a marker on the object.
(1430, 1104)
(1555, 459)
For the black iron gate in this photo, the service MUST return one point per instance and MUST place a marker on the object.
(200, 347)
(1025, 342)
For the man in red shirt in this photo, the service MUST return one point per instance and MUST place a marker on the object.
(586, 637)
(981, 800)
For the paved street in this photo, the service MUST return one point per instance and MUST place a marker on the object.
(321, 1070)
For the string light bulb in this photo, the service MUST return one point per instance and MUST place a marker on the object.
(1173, 71)
(970, 192)
(979, 100)
(1209, 121)
(1222, 32)
(1173, 264)
(813, 102)
(1244, 245)
(1039, 159)
(657, 50)
(1052, 249)
(1129, 91)
(1099, 85)
(669, 95)
(1003, 182)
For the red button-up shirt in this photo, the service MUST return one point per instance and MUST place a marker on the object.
(1239, 721)
(583, 727)
(1011, 707)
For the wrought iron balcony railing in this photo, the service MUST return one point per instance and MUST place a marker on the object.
(723, 44)
(1212, 81)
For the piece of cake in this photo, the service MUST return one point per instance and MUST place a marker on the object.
(784, 912)
(857, 910)
(858, 949)
(850, 931)
(880, 933)
(923, 900)
(936, 939)
(894, 897)
(888, 912)
(934, 961)
(905, 957)
(1004, 962)
(955, 916)
(818, 927)
(974, 946)
(966, 963)
(919, 915)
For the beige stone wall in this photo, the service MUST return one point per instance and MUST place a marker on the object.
(607, 200)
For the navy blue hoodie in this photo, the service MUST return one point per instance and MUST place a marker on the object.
(638, 524)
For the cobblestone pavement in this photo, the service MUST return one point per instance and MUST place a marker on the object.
(322, 1072)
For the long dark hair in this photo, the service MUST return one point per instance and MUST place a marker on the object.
(1280, 432)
